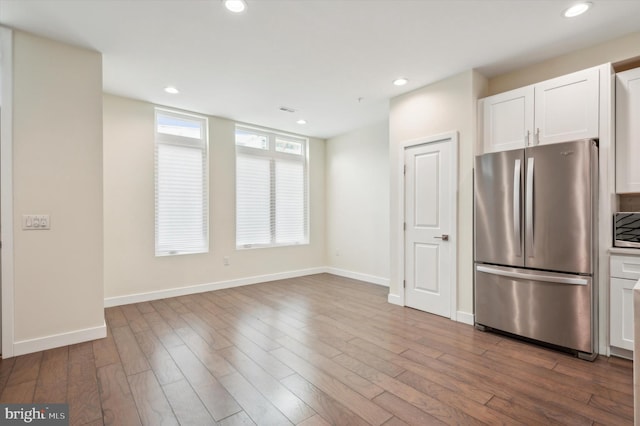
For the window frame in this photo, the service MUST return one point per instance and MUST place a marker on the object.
(201, 144)
(273, 155)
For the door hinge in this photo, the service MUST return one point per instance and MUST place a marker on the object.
(404, 284)
(405, 169)
(404, 226)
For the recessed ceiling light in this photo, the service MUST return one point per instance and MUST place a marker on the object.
(172, 90)
(576, 9)
(400, 81)
(235, 6)
(301, 121)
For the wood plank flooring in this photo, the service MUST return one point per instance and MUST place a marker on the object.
(309, 351)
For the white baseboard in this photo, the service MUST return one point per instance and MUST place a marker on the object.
(395, 299)
(56, 340)
(201, 288)
(358, 276)
(465, 317)
(621, 353)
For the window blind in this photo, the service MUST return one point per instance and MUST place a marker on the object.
(253, 200)
(181, 216)
(290, 206)
(271, 191)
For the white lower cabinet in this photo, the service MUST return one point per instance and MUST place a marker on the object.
(625, 272)
(622, 313)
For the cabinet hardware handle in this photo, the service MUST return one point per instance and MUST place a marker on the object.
(516, 205)
(529, 210)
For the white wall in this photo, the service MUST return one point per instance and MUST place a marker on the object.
(444, 106)
(57, 170)
(357, 183)
(131, 267)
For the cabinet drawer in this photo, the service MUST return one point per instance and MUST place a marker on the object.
(627, 267)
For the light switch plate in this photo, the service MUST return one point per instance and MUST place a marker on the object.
(36, 222)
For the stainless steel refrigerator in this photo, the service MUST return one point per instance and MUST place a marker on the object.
(535, 243)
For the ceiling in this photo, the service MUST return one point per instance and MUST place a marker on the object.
(332, 61)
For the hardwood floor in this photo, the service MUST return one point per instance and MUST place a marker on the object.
(312, 351)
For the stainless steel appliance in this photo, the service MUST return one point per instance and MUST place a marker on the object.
(535, 243)
(627, 230)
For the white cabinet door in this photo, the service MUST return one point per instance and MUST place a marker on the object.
(508, 120)
(566, 108)
(621, 311)
(628, 131)
(625, 272)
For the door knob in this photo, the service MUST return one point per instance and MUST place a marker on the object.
(444, 237)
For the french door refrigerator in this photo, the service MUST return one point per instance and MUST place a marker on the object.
(535, 243)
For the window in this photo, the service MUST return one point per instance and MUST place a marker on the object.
(182, 202)
(271, 189)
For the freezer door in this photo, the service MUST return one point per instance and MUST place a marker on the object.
(498, 207)
(545, 306)
(559, 180)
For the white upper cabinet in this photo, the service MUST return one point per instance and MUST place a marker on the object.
(628, 131)
(557, 110)
(567, 107)
(508, 120)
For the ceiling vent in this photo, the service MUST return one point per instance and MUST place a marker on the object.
(287, 109)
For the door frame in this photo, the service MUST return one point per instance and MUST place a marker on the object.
(452, 136)
(6, 191)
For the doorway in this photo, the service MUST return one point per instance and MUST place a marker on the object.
(430, 205)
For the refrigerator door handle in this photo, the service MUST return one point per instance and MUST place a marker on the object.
(516, 206)
(529, 207)
(532, 277)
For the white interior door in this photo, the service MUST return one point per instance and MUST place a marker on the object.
(430, 218)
